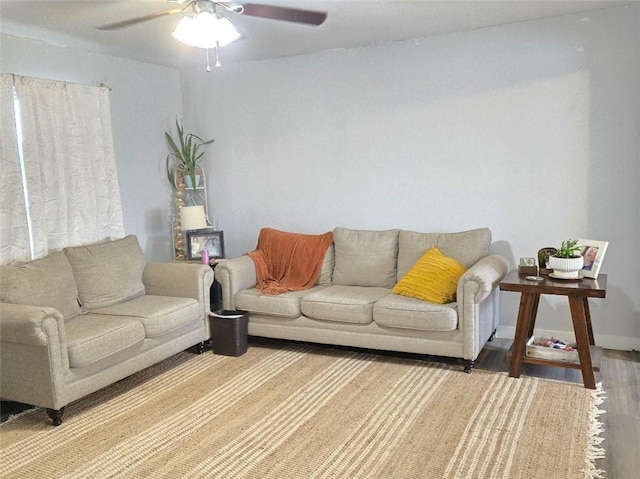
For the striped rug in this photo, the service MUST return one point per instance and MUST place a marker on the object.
(303, 411)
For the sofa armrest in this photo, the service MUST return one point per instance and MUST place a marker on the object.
(483, 277)
(478, 302)
(33, 355)
(235, 275)
(180, 280)
(31, 325)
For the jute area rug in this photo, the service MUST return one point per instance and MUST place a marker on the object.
(301, 411)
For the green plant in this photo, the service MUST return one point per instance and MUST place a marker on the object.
(184, 154)
(543, 256)
(569, 249)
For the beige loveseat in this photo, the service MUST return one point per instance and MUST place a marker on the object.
(352, 303)
(78, 320)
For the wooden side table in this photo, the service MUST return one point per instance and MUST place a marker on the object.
(577, 292)
(215, 295)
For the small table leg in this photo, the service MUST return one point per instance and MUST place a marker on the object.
(534, 315)
(524, 324)
(584, 337)
(587, 315)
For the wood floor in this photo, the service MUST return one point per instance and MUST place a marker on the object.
(620, 377)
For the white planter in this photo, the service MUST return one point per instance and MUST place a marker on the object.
(566, 268)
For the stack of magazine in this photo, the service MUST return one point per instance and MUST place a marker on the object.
(552, 348)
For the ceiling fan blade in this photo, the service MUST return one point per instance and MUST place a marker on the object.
(134, 21)
(283, 13)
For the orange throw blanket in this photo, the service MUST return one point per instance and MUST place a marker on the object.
(288, 261)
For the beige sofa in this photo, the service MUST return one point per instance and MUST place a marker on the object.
(352, 303)
(83, 318)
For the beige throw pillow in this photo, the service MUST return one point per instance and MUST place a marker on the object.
(107, 273)
(44, 282)
(365, 258)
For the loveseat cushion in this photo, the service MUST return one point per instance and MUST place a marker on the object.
(44, 282)
(285, 305)
(433, 278)
(93, 337)
(467, 247)
(397, 311)
(343, 304)
(365, 258)
(157, 314)
(107, 273)
(328, 263)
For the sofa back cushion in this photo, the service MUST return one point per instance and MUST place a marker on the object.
(44, 282)
(328, 263)
(107, 273)
(467, 247)
(365, 258)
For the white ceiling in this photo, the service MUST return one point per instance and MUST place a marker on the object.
(350, 23)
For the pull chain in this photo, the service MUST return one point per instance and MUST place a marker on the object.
(217, 54)
(217, 47)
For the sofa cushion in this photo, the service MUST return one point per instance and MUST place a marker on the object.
(433, 278)
(396, 311)
(93, 337)
(365, 258)
(328, 263)
(467, 247)
(344, 304)
(107, 273)
(285, 305)
(44, 282)
(158, 314)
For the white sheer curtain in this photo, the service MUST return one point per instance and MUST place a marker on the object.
(14, 231)
(70, 170)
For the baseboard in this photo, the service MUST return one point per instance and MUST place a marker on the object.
(621, 343)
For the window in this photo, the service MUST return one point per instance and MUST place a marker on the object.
(59, 184)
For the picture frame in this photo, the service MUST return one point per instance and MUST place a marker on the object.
(209, 239)
(593, 253)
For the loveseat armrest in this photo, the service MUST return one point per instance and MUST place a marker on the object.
(234, 275)
(180, 280)
(483, 277)
(33, 355)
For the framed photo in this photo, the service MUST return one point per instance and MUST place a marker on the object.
(528, 262)
(593, 253)
(209, 239)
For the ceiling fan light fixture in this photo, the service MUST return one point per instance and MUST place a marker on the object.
(206, 30)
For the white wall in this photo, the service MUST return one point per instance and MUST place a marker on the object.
(530, 129)
(145, 100)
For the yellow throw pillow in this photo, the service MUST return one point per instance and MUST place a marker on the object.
(433, 278)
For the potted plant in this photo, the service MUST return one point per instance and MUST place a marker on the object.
(184, 155)
(567, 260)
(543, 256)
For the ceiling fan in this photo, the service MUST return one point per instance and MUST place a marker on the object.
(202, 26)
(286, 14)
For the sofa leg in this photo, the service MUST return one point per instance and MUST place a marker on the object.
(200, 347)
(468, 364)
(493, 335)
(56, 415)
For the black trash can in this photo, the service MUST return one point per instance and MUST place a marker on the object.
(229, 330)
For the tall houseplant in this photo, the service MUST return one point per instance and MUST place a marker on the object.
(184, 154)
